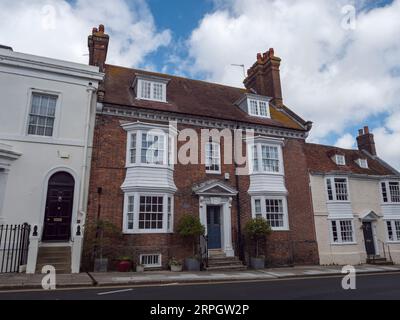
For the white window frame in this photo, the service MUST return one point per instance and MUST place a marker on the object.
(396, 238)
(334, 191)
(216, 146)
(139, 135)
(388, 192)
(264, 210)
(258, 112)
(153, 84)
(57, 116)
(362, 163)
(259, 146)
(137, 196)
(340, 241)
(340, 160)
(150, 266)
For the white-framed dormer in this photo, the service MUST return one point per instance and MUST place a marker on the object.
(150, 88)
(339, 159)
(255, 105)
(362, 163)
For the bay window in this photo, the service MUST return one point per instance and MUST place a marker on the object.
(337, 189)
(393, 229)
(273, 209)
(266, 158)
(148, 148)
(342, 231)
(148, 213)
(390, 191)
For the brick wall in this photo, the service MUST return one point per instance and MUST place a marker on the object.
(108, 172)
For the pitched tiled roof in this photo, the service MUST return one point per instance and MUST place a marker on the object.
(319, 161)
(191, 97)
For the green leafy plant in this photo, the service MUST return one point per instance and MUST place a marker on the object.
(174, 262)
(257, 230)
(191, 228)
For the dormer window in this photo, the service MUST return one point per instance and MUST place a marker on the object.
(340, 160)
(151, 88)
(255, 105)
(362, 163)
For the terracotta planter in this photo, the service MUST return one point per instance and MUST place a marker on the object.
(124, 266)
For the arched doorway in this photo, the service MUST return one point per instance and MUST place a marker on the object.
(59, 207)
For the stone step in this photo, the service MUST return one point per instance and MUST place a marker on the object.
(381, 262)
(222, 262)
(61, 268)
(58, 257)
(227, 268)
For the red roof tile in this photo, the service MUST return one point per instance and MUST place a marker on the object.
(319, 160)
(191, 97)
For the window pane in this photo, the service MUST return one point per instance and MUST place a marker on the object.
(394, 191)
(131, 210)
(146, 90)
(151, 213)
(346, 230)
(334, 232)
(41, 116)
(255, 158)
(270, 159)
(133, 148)
(254, 108)
(329, 188)
(341, 189)
(397, 227)
(384, 192)
(157, 91)
(390, 230)
(275, 213)
(153, 149)
(263, 109)
(213, 159)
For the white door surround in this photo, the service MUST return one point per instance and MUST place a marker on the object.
(217, 193)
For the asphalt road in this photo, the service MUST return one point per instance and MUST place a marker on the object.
(369, 287)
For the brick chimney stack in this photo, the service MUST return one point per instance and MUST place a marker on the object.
(365, 141)
(264, 77)
(98, 47)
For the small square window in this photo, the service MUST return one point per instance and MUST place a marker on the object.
(340, 160)
(363, 163)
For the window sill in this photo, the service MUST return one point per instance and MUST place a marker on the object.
(214, 172)
(338, 202)
(144, 232)
(258, 173)
(154, 166)
(344, 244)
(280, 229)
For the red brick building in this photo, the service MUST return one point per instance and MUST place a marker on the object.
(136, 185)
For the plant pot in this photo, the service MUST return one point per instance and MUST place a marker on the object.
(139, 269)
(100, 265)
(176, 268)
(257, 263)
(192, 264)
(124, 266)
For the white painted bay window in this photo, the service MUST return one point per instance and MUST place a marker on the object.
(266, 158)
(148, 213)
(393, 229)
(337, 189)
(390, 192)
(342, 232)
(273, 209)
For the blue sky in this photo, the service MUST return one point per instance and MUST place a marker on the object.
(338, 77)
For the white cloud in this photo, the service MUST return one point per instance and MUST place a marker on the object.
(335, 77)
(58, 29)
(346, 141)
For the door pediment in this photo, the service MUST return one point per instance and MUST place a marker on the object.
(214, 188)
(370, 217)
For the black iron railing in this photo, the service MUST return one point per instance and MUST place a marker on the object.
(204, 251)
(14, 245)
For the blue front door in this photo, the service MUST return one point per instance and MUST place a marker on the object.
(214, 227)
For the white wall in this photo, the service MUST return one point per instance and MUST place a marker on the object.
(365, 197)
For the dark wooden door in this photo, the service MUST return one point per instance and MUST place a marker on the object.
(59, 207)
(369, 239)
(214, 227)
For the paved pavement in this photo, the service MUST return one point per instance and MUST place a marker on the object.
(368, 287)
(23, 281)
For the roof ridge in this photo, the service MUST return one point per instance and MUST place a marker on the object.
(330, 146)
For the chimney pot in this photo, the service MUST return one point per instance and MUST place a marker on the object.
(101, 28)
(366, 141)
(366, 130)
(360, 132)
(98, 47)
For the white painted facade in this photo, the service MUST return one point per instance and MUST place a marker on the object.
(27, 162)
(365, 204)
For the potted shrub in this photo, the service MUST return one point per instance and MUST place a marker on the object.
(175, 265)
(190, 227)
(139, 268)
(257, 230)
(124, 264)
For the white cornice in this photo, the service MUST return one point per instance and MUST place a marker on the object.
(151, 115)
